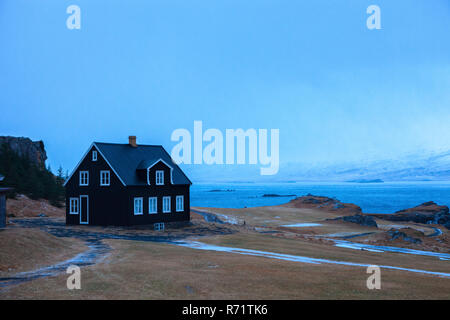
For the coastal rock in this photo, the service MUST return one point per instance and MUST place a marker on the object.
(33, 150)
(324, 203)
(427, 212)
(360, 219)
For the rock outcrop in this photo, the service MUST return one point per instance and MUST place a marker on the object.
(324, 203)
(428, 212)
(404, 234)
(32, 150)
(360, 219)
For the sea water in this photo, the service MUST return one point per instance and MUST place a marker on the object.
(371, 197)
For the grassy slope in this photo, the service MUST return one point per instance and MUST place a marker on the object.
(28, 249)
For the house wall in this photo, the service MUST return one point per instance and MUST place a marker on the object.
(106, 203)
(159, 192)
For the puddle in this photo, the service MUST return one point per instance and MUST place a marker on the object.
(302, 225)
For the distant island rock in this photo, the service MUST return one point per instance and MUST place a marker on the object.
(366, 181)
(274, 195)
(221, 190)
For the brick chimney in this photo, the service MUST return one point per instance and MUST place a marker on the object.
(132, 141)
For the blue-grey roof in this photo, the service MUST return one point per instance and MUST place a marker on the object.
(125, 160)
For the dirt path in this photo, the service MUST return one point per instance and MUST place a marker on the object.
(96, 253)
(209, 217)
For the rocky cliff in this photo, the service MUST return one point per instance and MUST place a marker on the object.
(34, 151)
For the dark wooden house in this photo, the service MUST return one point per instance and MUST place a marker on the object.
(127, 184)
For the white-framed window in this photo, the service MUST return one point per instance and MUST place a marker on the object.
(94, 155)
(180, 203)
(153, 205)
(159, 177)
(104, 177)
(159, 226)
(166, 204)
(84, 178)
(73, 206)
(138, 206)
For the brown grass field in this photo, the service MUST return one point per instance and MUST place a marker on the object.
(138, 270)
(151, 270)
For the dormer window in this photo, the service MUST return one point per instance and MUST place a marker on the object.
(94, 155)
(159, 177)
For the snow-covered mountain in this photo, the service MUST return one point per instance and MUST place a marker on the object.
(414, 167)
(422, 166)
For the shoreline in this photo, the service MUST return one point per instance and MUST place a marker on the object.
(376, 198)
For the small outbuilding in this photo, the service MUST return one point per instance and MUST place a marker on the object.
(3, 192)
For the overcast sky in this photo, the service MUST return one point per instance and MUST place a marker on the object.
(336, 90)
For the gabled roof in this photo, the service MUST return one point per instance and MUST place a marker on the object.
(124, 160)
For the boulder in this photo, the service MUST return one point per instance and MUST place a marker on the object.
(397, 234)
